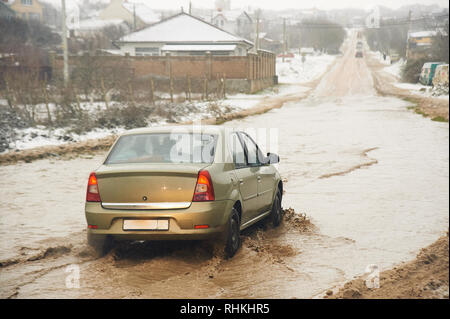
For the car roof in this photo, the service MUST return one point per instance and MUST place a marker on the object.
(208, 129)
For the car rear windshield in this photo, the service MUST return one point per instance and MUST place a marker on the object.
(164, 148)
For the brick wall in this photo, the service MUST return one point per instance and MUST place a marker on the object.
(251, 67)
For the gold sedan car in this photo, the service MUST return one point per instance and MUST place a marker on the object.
(182, 183)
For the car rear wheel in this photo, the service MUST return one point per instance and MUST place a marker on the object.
(233, 239)
(276, 214)
(101, 243)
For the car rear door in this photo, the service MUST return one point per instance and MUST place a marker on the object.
(265, 174)
(246, 176)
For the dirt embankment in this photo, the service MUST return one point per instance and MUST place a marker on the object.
(65, 150)
(424, 277)
(434, 108)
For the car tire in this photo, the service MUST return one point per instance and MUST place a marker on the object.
(102, 244)
(233, 238)
(276, 214)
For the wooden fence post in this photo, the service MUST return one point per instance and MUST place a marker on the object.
(224, 86)
(209, 65)
(205, 88)
(171, 87)
(44, 91)
(152, 91)
(105, 97)
(169, 70)
(189, 88)
(131, 92)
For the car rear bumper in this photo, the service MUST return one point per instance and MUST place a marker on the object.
(182, 222)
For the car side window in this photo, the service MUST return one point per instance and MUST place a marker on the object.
(254, 155)
(238, 151)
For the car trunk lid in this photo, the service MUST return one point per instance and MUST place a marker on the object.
(148, 186)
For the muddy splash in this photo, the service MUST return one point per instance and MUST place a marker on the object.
(140, 269)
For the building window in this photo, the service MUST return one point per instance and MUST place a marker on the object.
(27, 2)
(146, 51)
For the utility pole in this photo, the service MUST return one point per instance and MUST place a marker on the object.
(134, 17)
(257, 32)
(64, 43)
(409, 30)
(299, 42)
(284, 37)
(190, 7)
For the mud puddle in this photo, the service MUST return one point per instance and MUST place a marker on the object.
(161, 269)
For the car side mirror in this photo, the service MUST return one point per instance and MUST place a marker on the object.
(272, 158)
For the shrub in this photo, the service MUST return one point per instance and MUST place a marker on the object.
(411, 71)
(130, 116)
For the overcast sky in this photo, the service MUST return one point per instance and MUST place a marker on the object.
(278, 4)
(300, 4)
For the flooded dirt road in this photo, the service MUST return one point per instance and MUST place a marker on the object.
(371, 175)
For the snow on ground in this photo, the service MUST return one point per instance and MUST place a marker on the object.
(291, 73)
(379, 56)
(293, 70)
(396, 68)
(419, 89)
(40, 136)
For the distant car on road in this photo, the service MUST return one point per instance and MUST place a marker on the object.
(358, 54)
(427, 73)
(175, 183)
(359, 45)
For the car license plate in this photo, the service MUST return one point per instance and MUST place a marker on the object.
(145, 224)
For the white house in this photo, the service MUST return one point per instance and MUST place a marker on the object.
(235, 21)
(183, 34)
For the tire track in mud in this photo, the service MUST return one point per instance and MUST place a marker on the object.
(20, 272)
(42, 254)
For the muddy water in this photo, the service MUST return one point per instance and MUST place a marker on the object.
(372, 176)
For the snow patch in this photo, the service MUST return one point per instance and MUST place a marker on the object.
(293, 70)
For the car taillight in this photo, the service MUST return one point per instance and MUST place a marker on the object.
(93, 194)
(204, 190)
